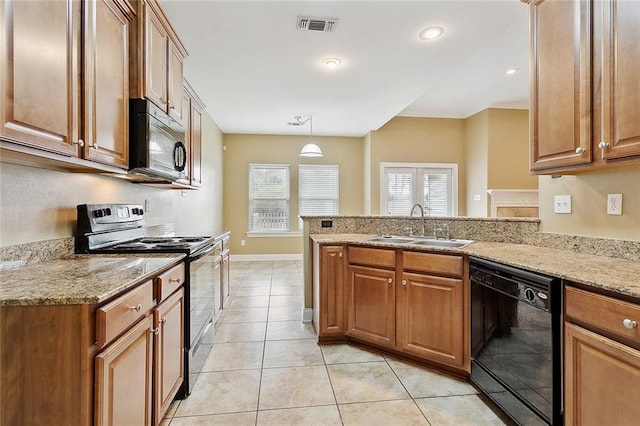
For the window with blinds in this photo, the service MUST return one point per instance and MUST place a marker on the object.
(431, 186)
(269, 197)
(318, 189)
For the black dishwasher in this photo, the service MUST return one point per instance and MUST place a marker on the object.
(516, 341)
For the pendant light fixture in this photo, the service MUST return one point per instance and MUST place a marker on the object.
(310, 149)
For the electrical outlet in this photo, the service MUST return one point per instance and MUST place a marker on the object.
(477, 197)
(614, 204)
(242, 243)
(562, 204)
(146, 206)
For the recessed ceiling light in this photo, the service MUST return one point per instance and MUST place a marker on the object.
(430, 33)
(331, 63)
(511, 71)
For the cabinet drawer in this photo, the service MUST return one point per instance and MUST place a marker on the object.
(226, 243)
(169, 282)
(372, 257)
(115, 317)
(603, 313)
(433, 263)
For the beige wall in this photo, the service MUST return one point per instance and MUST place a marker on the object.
(39, 204)
(242, 150)
(417, 140)
(476, 140)
(589, 204)
(497, 155)
(367, 174)
(509, 150)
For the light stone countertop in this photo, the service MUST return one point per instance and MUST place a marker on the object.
(79, 279)
(600, 272)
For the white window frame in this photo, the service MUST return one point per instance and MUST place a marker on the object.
(267, 232)
(453, 190)
(300, 198)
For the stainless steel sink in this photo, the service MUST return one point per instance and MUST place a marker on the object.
(443, 243)
(421, 241)
(392, 239)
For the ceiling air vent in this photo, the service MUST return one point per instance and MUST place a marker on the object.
(327, 25)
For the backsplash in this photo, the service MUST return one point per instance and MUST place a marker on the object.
(38, 251)
(506, 230)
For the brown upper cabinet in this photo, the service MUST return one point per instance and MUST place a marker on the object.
(193, 110)
(57, 94)
(584, 107)
(157, 57)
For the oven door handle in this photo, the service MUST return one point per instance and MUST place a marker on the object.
(203, 252)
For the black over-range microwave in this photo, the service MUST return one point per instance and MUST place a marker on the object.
(156, 144)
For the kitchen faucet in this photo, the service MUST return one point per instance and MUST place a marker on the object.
(421, 213)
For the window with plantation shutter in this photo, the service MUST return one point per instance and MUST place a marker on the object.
(269, 197)
(432, 185)
(318, 190)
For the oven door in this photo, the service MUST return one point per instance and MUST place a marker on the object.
(512, 346)
(204, 292)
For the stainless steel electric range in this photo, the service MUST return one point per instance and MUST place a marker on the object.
(119, 228)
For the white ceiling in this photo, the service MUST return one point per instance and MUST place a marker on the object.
(255, 70)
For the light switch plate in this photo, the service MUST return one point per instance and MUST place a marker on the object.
(614, 204)
(562, 204)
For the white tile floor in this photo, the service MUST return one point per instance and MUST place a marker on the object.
(266, 368)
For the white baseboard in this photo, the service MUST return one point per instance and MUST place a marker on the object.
(307, 314)
(264, 257)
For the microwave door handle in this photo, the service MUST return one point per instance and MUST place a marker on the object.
(179, 156)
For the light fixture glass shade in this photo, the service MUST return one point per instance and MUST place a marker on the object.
(311, 150)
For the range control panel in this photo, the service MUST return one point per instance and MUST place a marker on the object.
(108, 217)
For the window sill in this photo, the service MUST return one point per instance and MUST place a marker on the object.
(279, 234)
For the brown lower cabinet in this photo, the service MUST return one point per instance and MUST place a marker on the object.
(601, 360)
(415, 303)
(117, 363)
(371, 305)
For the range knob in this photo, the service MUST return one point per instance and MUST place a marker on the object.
(107, 212)
(134, 210)
(98, 213)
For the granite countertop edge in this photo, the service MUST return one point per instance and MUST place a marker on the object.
(80, 279)
(613, 275)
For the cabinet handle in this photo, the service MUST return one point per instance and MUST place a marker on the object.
(603, 146)
(579, 150)
(163, 321)
(629, 323)
(94, 146)
(79, 142)
(389, 280)
(136, 308)
(155, 331)
(174, 280)
(404, 282)
(339, 254)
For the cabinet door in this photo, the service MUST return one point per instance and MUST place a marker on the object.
(332, 291)
(168, 352)
(224, 279)
(597, 368)
(196, 144)
(430, 320)
(40, 72)
(186, 118)
(620, 101)
(560, 111)
(372, 307)
(123, 378)
(175, 76)
(106, 84)
(156, 50)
